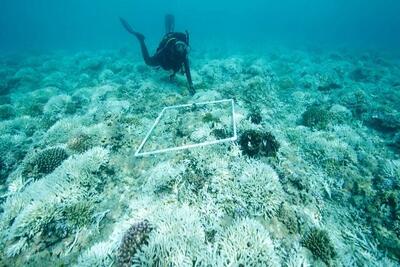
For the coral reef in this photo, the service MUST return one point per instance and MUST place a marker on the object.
(177, 239)
(257, 143)
(80, 143)
(255, 117)
(319, 243)
(289, 218)
(6, 112)
(247, 243)
(135, 237)
(316, 117)
(44, 162)
(49, 209)
(313, 178)
(257, 191)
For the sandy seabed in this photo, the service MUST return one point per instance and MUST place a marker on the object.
(313, 179)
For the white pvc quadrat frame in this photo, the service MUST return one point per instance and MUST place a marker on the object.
(229, 139)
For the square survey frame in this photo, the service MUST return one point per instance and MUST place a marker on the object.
(230, 139)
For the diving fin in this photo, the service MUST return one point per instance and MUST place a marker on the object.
(127, 26)
(129, 29)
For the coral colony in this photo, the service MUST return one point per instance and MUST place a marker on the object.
(313, 178)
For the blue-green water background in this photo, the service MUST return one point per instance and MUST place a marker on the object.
(87, 24)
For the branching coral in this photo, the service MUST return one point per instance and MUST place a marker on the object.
(77, 214)
(136, 236)
(316, 117)
(257, 191)
(288, 218)
(44, 162)
(46, 200)
(163, 177)
(177, 239)
(319, 243)
(80, 142)
(247, 243)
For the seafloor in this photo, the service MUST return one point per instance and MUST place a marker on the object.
(313, 179)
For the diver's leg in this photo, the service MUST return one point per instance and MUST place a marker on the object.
(169, 23)
(151, 61)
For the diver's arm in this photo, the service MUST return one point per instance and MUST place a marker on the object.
(189, 76)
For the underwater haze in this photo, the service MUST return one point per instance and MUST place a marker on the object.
(269, 137)
(45, 24)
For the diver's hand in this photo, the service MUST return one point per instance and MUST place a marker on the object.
(191, 89)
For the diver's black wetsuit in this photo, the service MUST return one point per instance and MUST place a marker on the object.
(172, 52)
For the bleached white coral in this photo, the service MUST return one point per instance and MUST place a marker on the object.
(62, 131)
(16, 248)
(211, 214)
(258, 189)
(57, 105)
(247, 243)
(201, 134)
(329, 149)
(163, 177)
(29, 211)
(98, 255)
(391, 169)
(296, 257)
(177, 239)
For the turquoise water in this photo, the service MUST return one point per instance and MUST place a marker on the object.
(299, 167)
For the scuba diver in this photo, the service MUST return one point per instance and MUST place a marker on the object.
(172, 52)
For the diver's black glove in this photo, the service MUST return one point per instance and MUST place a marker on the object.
(191, 89)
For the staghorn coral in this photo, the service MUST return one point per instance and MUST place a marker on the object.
(80, 142)
(316, 117)
(43, 203)
(134, 238)
(288, 217)
(58, 106)
(98, 255)
(44, 162)
(177, 239)
(257, 190)
(319, 243)
(255, 143)
(78, 213)
(247, 243)
(163, 177)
